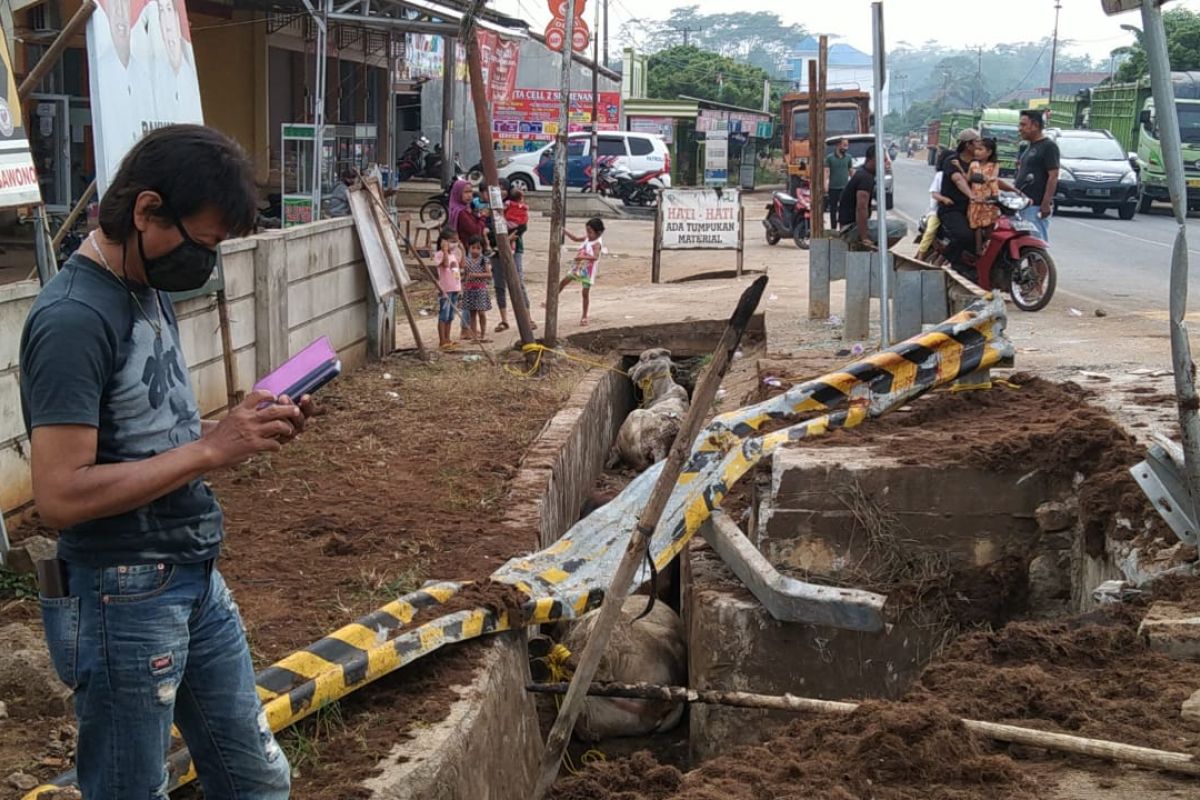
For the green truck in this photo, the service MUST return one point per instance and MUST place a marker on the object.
(1069, 111)
(953, 122)
(1001, 124)
(1127, 111)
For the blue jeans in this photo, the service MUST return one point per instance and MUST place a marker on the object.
(1040, 226)
(502, 285)
(447, 306)
(150, 645)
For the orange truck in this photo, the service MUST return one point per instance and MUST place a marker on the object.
(847, 111)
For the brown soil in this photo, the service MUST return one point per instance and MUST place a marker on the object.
(882, 751)
(1040, 426)
(400, 481)
(1090, 676)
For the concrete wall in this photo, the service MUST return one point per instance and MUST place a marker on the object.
(284, 289)
(561, 467)
(15, 301)
(539, 68)
(486, 749)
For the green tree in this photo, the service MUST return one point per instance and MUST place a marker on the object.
(759, 38)
(1183, 46)
(699, 73)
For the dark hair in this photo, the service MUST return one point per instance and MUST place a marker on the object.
(963, 145)
(990, 143)
(596, 224)
(193, 168)
(1035, 116)
(870, 154)
(446, 234)
(516, 195)
(475, 240)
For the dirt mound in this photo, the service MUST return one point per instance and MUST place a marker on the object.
(499, 598)
(1038, 426)
(882, 750)
(1090, 676)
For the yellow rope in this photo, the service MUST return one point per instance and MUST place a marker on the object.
(541, 349)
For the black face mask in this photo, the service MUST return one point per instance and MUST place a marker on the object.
(183, 269)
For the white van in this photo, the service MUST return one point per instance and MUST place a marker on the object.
(640, 152)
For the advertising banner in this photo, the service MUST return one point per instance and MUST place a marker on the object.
(660, 126)
(500, 58)
(143, 75)
(716, 157)
(700, 219)
(530, 118)
(18, 178)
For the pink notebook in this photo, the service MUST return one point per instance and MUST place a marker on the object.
(305, 372)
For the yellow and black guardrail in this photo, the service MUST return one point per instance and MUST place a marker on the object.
(568, 578)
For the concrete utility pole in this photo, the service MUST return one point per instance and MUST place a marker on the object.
(606, 33)
(881, 235)
(595, 95)
(449, 48)
(558, 206)
(1054, 46)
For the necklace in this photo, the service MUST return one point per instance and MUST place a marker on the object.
(157, 326)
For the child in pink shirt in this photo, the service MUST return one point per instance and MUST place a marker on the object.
(448, 260)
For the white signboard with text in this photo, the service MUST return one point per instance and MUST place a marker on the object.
(698, 219)
(142, 73)
(716, 157)
(701, 219)
(19, 184)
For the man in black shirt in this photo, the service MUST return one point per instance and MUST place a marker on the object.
(854, 208)
(953, 217)
(1037, 172)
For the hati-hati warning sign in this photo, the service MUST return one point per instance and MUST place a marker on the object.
(700, 219)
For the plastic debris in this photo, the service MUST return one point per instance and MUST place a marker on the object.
(1074, 312)
(387, 376)
(857, 349)
(834, 319)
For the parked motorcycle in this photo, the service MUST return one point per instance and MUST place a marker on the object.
(412, 160)
(433, 164)
(1015, 260)
(617, 181)
(789, 215)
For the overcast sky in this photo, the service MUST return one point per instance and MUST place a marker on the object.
(960, 23)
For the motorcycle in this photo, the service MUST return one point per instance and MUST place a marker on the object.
(790, 215)
(433, 164)
(618, 182)
(412, 160)
(1014, 260)
(436, 207)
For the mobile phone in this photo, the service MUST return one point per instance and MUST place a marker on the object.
(304, 373)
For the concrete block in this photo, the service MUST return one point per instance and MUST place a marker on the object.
(1173, 629)
(1049, 581)
(837, 258)
(23, 558)
(1191, 708)
(1055, 516)
(857, 314)
(906, 306)
(934, 305)
(735, 644)
(486, 749)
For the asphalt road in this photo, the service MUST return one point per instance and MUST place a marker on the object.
(1103, 262)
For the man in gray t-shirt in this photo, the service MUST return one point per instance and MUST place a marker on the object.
(138, 620)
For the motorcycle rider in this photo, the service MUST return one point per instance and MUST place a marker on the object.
(952, 217)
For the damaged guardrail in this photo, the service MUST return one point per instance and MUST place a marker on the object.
(567, 579)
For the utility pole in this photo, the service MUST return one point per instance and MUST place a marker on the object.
(448, 80)
(686, 33)
(816, 130)
(975, 90)
(558, 205)
(606, 33)
(595, 95)
(483, 125)
(1054, 46)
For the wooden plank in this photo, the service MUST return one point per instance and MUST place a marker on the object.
(656, 258)
(379, 268)
(906, 305)
(387, 234)
(857, 316)
(837, 258)
(934, 307)
(818, 283)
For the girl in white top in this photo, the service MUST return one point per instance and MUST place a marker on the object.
(584, 270)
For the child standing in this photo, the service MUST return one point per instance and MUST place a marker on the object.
(583, 271)
(448, 260)
(516, 214)
(477, 301)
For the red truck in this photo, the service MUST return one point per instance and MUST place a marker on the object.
(933, 132)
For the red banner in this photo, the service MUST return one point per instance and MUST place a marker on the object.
(500, 58)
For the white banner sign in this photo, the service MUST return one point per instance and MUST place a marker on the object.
(700, 219)
(143, 75)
